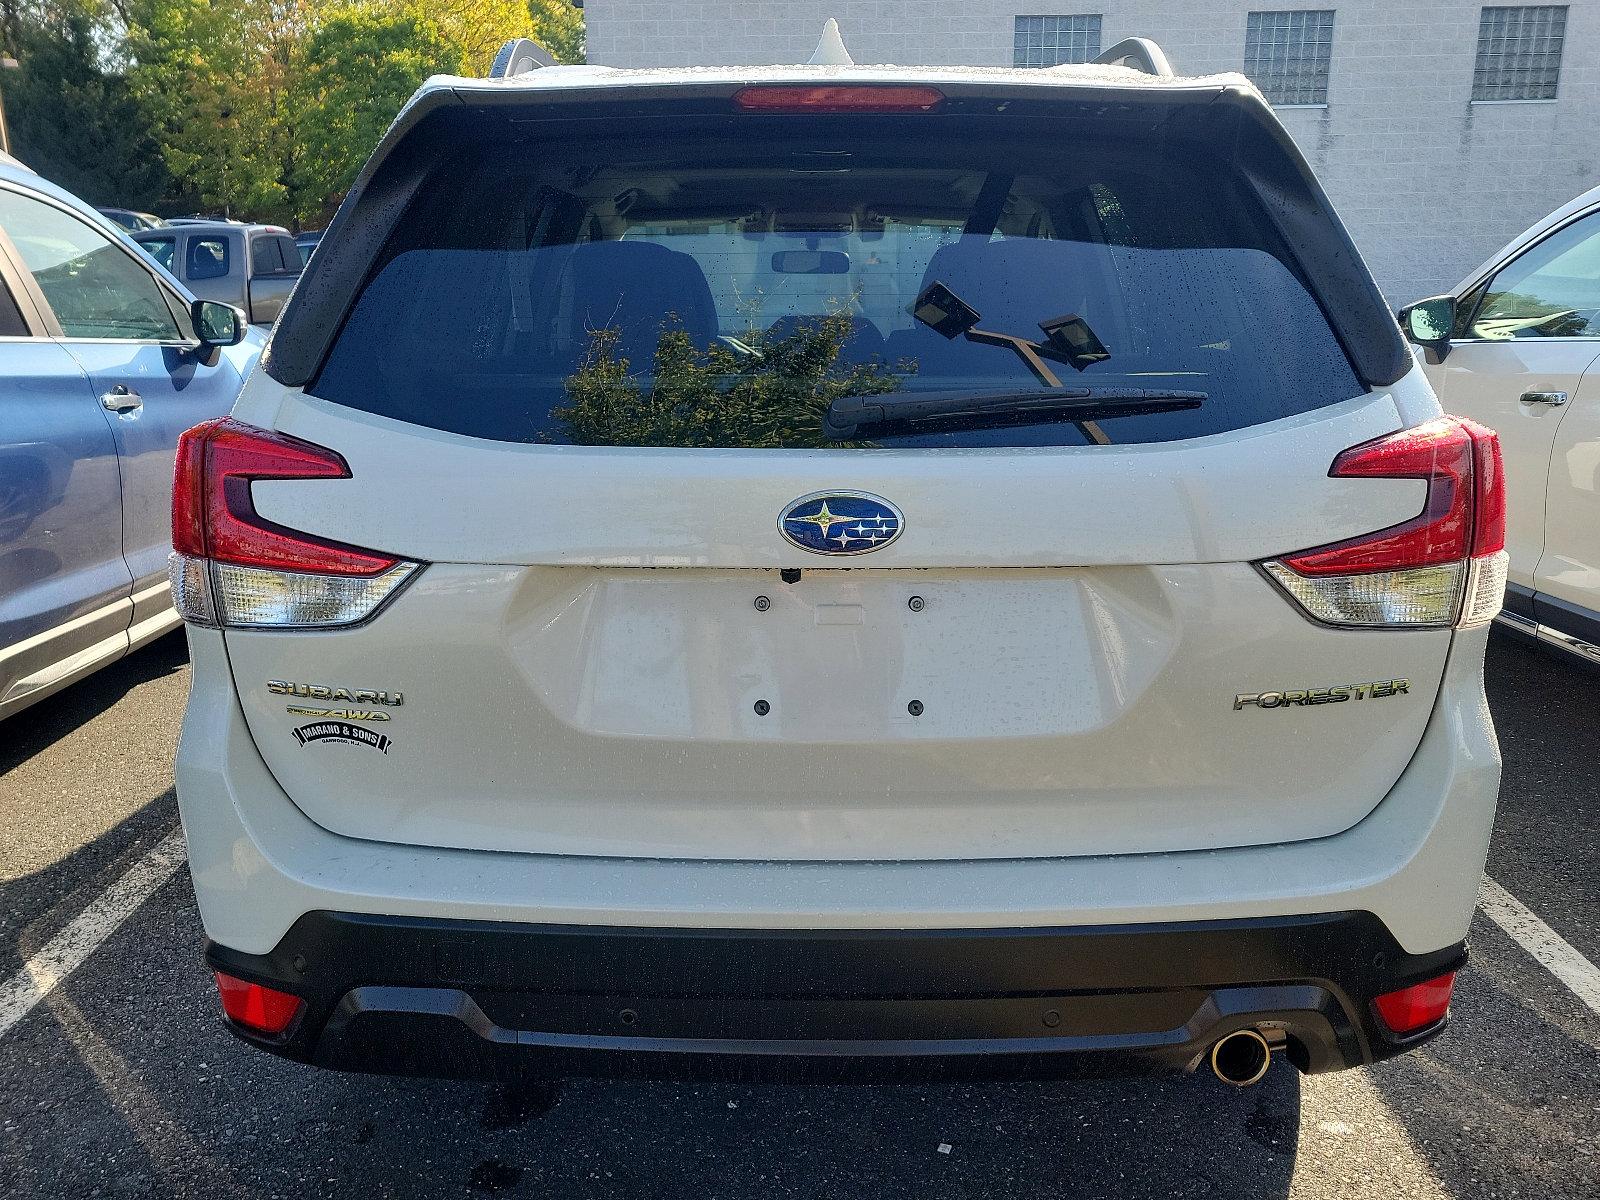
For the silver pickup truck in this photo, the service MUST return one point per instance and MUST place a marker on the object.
(253, 267)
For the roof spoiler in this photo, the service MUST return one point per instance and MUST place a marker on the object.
(518, 57)
(1141, 54)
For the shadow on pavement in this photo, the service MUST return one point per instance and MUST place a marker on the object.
(42, 724)
(35, 906)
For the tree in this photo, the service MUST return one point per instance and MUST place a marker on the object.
(558, 27)
(72, 120)
(362, 63)
(216, 78)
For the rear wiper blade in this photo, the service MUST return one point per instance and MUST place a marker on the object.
(852, 418)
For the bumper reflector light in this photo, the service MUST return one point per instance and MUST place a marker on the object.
(259, 1009)
(1416, 1007)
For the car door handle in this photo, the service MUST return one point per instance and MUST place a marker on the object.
(122, 399)
(1554, 399)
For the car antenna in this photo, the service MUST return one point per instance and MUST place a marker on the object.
(830, 51)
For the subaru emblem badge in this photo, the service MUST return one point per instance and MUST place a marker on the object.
(840, 523)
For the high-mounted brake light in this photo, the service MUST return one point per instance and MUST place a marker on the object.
(231, 566)
(838, 98)
(1446, 565)
(257, 1008)
(1413, 1009)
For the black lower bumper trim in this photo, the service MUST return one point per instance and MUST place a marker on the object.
(474, 999)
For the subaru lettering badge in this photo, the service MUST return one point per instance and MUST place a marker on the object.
(841, 523)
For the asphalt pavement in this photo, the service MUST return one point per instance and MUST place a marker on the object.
(122, 1081)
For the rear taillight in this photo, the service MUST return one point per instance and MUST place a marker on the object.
(1445, 566)
(257, 1008)
(1413, 1009)
(231, 566)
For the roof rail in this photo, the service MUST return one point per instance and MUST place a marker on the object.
(518, 57)
(1141, 54)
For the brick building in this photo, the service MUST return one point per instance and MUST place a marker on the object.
(1441, 128)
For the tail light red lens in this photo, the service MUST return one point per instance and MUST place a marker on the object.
(1444, 566)
(1413, 1009)
(1441, 453)
(838, 98)
(257, 1008)
(214, 516)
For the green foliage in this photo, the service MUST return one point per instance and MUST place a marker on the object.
(558, 27)
(73, 121)
(718, 396)
(263, 109)
(218, 77)
(361, 65)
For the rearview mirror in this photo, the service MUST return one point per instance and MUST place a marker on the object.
(217, 324)
(1429, 322)
(811, 262)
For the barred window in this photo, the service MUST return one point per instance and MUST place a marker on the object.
(1287, 54)
(1046, 41)
(1519, 52)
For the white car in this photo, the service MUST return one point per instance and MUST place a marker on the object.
(837, 571)
(1516, 346)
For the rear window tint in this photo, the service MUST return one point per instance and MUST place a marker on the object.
(715, 292)
(264, 256)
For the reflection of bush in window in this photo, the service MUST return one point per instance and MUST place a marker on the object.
(773, 397)
(208, 258)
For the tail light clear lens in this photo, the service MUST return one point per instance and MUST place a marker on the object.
(1418, 596)
(1445, 566)
(231, 566)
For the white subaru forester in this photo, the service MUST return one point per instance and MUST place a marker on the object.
(836, 571)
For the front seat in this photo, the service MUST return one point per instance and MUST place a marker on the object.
(640, 289)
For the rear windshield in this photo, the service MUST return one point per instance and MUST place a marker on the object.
(709, 290)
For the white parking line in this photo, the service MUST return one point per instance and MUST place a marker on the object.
(1580, 975)
(66, 952)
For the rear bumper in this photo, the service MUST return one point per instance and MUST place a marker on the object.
(477, 999)
(260, 865)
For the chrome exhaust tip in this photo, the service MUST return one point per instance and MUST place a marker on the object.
(1241, 1058)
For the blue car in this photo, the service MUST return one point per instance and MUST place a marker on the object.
(105, 359)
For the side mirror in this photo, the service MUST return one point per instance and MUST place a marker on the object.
(217, 324)
(1429, 322)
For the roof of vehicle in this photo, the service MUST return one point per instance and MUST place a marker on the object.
(592, 77)
(204, 227)
(1578, 204)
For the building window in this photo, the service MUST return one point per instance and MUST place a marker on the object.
(1046, 41)
(1519, 52)
(1286, 54)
